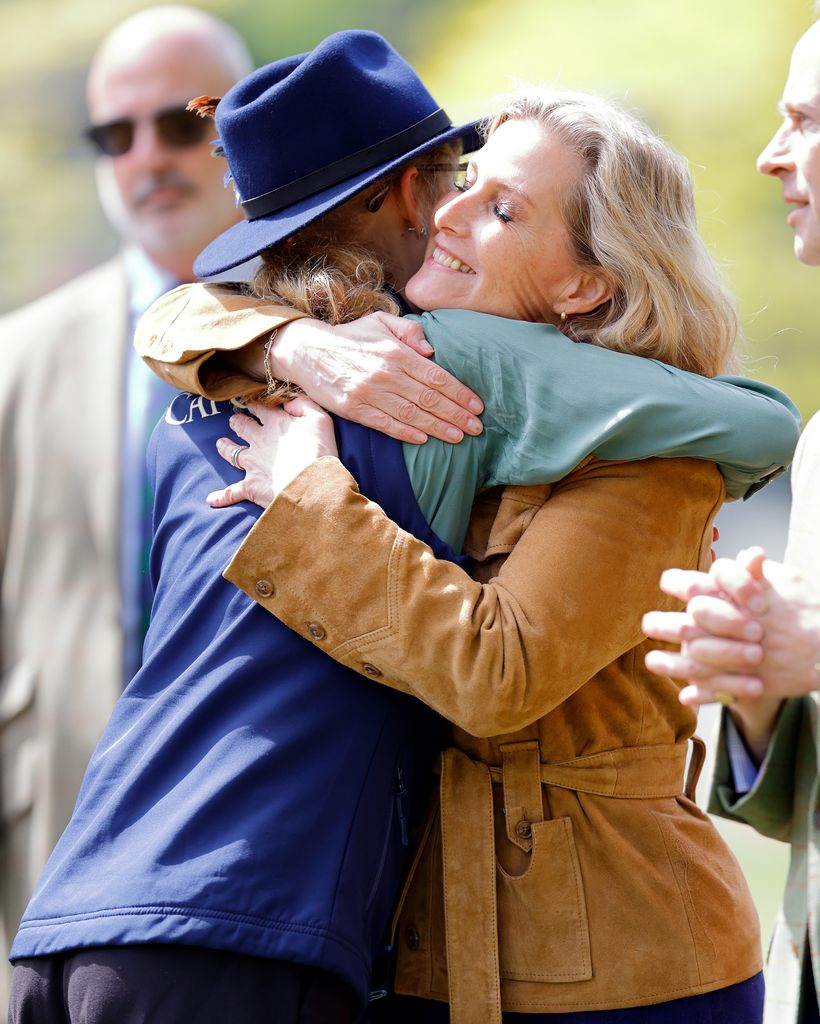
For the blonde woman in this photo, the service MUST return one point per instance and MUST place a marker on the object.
(566, 873)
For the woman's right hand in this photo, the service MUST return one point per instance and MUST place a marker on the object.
(377, 371)
(280, 443)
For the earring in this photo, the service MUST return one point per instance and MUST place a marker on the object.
(423, 231)
(563, 317)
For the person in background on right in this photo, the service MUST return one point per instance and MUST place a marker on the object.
(750, 634)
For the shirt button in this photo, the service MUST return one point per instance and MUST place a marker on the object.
(264, 588)
(412, 937)
(523, 830)
(371, 670)
(316, 631)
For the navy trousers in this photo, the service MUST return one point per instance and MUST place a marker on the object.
(738, 1004)
(171, 985)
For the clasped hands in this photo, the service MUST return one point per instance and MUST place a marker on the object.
(750, 636)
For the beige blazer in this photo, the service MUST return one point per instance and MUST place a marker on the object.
(784, 801)
(60, 646)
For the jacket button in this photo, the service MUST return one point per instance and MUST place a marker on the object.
(412, 937)
(523, 830)
(264, 588)
(316, 631)
(371, 670)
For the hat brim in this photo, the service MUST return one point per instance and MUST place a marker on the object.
(250, 238)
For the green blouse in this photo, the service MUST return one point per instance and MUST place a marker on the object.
(549, 402)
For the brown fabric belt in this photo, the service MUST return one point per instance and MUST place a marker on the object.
(466, 791)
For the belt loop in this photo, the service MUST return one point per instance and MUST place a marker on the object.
(470, 913)
(523, 804)
(696, 759)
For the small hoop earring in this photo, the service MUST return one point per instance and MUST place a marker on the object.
(423, 231)
(563, 317)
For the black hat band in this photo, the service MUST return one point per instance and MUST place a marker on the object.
(371, 156)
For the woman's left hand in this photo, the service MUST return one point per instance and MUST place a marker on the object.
(286, 440)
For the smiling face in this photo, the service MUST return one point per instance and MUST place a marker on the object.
(500, 244)
(793, 155)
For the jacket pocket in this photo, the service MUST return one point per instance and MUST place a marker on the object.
(542, 917)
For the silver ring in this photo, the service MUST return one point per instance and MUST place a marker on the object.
(235, 456)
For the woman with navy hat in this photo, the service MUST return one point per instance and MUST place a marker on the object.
(239, 838)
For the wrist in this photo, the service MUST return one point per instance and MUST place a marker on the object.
(285, 354)
(756, 722)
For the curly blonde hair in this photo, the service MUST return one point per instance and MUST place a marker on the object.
(632, 218)
(319, 271)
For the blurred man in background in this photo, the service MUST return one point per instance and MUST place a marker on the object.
(751, 631)
(76, 410)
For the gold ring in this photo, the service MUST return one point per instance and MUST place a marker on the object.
(724, 697)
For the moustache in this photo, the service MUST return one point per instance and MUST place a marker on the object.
(151, 183)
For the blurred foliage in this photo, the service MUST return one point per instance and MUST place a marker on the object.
(707, 76)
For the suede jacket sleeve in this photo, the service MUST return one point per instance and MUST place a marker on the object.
(769, 805)
(183, 334)
(491, 657)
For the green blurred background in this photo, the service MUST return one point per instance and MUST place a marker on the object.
(706, 75)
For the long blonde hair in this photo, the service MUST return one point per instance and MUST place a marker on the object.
(632, 218)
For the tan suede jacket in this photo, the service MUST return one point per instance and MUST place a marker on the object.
(565, 867)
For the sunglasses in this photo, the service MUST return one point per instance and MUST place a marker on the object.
(458, 173)
(177, 128)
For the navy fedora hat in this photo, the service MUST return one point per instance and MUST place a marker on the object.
(304, 134)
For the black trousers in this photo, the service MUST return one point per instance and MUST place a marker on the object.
(173, 985)
(738, 1004)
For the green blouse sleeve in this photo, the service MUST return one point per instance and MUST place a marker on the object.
(550, 402)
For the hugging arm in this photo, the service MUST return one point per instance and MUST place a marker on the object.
(210, 339)
(578, 399)
(496, 656)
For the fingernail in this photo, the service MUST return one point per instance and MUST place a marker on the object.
(476, 405)
(454, 434)
(753, 631)
(474, 426)
(752, 654)
(753, 688)
(758, 604)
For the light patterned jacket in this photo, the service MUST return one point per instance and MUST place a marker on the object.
(785, 799)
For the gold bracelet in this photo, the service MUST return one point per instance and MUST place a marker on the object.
(272, 385)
